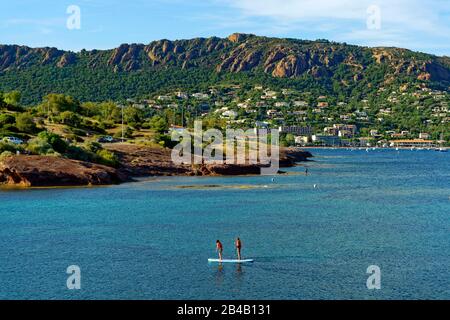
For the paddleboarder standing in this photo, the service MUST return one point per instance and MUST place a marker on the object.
(219, 249)
(238, 245)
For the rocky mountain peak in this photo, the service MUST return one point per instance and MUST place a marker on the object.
(239, 37)
(295, 59)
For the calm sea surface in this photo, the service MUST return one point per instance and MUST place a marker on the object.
(152, 239)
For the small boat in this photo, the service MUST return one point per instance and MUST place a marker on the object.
(441, 149)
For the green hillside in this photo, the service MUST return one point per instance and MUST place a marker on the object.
(137, 70)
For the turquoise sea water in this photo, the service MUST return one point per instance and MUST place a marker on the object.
(152, 239)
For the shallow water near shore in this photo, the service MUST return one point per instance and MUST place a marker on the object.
(151, 239)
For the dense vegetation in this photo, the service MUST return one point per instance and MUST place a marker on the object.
(34, 127)
(136, 71)
(379, 89)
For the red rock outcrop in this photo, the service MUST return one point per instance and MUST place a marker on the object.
(43, 171)
(135, 161)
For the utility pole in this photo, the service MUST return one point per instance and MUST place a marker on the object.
(123, 132)
(48, 110)
(174, 119)
(182, 116)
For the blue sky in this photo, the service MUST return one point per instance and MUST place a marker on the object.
(414, 24)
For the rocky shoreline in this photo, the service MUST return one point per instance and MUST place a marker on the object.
(135, 161)
(48, 171)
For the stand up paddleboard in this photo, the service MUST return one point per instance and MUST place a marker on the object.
(230, 260)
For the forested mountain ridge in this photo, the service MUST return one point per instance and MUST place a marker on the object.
(135, 70)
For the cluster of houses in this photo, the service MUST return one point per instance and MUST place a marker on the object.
(286, 109)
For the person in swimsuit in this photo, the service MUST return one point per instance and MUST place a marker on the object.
(219, 249)
(238, 245)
